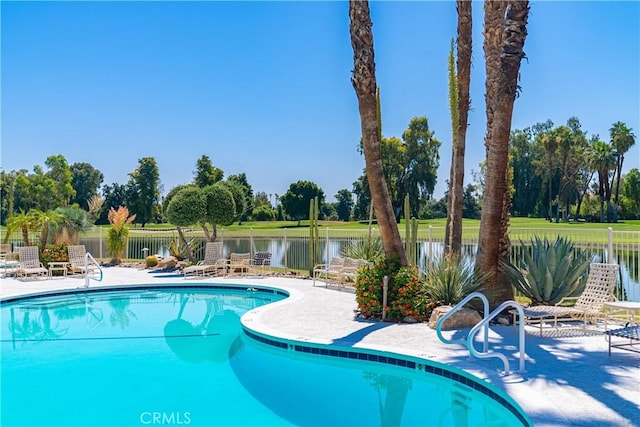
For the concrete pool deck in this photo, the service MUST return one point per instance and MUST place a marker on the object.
(570, 380)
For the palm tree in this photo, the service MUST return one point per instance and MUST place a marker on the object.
(23, 222)
(505, 33)
(44, 221)
(603, 159)
(622, 139)
(364, 83)
(462, 101)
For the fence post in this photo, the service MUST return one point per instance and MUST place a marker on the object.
(326, 245)
(284, 246)
(430, 254)
(251, 243)
(100, 245)
(610, 254)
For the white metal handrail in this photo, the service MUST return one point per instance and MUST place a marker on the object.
(457, 307)
(88, 277)
(485, 322)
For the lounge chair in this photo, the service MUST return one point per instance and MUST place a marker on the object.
(77, 255)
(239, 263)
(212, 264)
(349, 270)
(261, 264)
(332, 268)
(588, 306)
(30, 265)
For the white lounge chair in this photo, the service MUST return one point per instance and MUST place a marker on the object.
(588, 306)
(239, 263)
(30, 265)
(333, 268)
(77, 255)
(211, 265)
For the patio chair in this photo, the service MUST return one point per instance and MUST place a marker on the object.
(30, 265)
(212, 264)
(239, 263)
(332, 268)
(261, 263)
(77, 255)
(588, 306)
(350, 269)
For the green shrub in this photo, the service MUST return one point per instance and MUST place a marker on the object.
(151, 261)
(550, 271)
(369, 249)
(405, 296)
(448, 280)
(54, 253)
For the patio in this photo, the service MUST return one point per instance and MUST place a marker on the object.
(570, 379)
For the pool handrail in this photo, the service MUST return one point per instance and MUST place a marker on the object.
(485, 322)
(472, 295)
(87, 276)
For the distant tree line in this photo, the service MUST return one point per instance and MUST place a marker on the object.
(559, 172)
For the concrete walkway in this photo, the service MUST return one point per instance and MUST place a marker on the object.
(570, 379)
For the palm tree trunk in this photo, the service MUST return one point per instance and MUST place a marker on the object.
(456, 195)
(505, 33)
(364, 83)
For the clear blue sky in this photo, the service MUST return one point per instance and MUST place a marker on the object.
(264, 87)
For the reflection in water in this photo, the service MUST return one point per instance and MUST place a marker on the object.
(396, 391)
(121, 314)
(209, 341)
(35, 328)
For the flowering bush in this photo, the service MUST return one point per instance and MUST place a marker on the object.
(405, 295)
(54, 253)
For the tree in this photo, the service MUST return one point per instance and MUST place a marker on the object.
(631, 190)
(187, 206)
(114, 197)
(7, 194)
(74, 220)
(143, 189)
(206, 173)
(86, 181)
(295, 201)
(505, 33)
(23, 222)
(118, 233)
(526, 181)
(344, 204)
(622, 139)
(471, 208)
(421, 161)
(220, 209)
(603, 159)
(364, 83)
(35, 191)
(461, 80)
(241, 180)
(238, 192)
(60, 173)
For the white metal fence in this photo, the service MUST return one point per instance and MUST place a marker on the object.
(290, 247)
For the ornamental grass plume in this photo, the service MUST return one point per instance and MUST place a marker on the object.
(117, 236)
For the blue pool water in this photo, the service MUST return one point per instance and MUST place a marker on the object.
(180, 357)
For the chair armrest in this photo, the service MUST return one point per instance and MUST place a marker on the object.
(565, 299)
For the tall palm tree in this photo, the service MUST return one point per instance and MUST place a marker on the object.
(603, 159)
(505, 31)
(622, 139)
(23, 222)
(462, 83)
(364, 83)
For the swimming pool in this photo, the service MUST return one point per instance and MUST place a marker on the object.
(179, 356)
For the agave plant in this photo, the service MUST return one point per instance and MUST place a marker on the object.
(550, 271)
(369, 249)
(449, 280)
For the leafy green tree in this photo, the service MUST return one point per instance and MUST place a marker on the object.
(23, 222)
(85, 180)
(622, 139)
(44, 222)
(34, 191)
(631, 190)
(363, 198)
(143, 190)
(261, 199)
(206, 174)
(263, 213)
(241, 181)
(239, 198)
(526, 181)
(421, 163)
(60, 173)
(220, 208)
(344, 204)
(7, 194)
(114, 197)
(470, 207)
(186, 206)
(295, 201)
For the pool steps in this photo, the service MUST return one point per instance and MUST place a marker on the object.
(469, 341)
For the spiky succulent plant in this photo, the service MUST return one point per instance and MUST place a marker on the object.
(549, 271)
